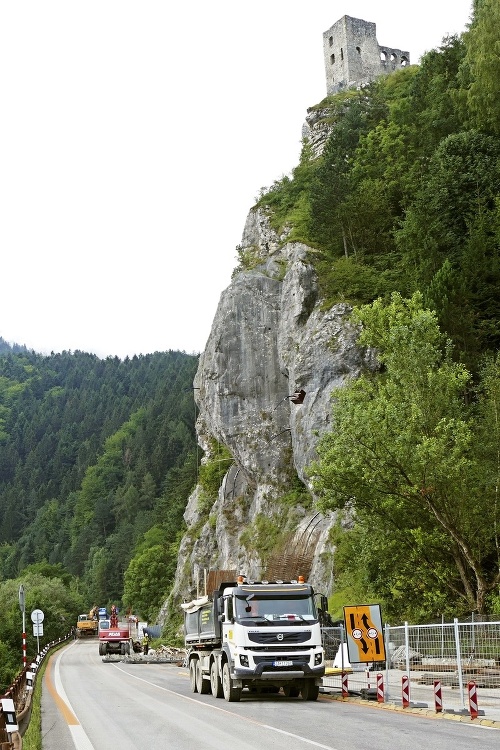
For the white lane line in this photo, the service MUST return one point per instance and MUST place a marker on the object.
(225, 711)
(78, 734)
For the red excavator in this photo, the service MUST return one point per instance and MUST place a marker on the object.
(114, 638)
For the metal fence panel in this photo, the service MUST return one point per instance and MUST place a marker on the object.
(451, 654)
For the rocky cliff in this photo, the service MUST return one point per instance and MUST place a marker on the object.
(270, 338)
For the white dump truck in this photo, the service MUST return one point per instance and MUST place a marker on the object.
(264, 636)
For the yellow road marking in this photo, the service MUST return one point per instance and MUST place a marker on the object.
(61, 704)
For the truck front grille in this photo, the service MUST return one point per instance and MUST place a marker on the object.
(296, 636)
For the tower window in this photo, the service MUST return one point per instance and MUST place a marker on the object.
(332, 59)
(358, 50)
(341, 54)
(330, 41)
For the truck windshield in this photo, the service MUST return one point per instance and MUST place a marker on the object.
(293, 609)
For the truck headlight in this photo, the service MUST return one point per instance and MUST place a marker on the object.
(244, 660)
(318, 658)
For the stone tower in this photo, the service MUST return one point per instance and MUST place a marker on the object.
(353, 57)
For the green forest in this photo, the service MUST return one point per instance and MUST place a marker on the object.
(97, 459)
(401, 212)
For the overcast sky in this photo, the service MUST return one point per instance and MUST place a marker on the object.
(135, 136)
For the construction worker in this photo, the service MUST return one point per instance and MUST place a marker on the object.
(145, 644)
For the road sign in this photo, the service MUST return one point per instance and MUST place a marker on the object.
(365, 639)
(38, 630)
(37, 616)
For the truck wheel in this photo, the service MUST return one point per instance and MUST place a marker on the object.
(202, 685)
(215, 681)
(310, 691)
(291, 691)
(192, 675)
(231, 693)
(122, 649)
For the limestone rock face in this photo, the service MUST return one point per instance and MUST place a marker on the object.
(269, 338)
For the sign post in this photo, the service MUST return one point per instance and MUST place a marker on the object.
(22, 607)
(37, 619)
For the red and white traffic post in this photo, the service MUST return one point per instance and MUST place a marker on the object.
(472, 690)
(380, 687)
(438, 698)
(405, 680)
(345, 689)
(22, 607)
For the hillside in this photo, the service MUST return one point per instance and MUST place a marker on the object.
(92, 455)
(370, 275)
(346, 404)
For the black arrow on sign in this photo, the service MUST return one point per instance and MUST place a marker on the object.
(365, 621)
(364, 647)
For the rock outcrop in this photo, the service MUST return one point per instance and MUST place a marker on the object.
(269, 339)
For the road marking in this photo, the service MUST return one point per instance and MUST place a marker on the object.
(58, 693)
(226, 711)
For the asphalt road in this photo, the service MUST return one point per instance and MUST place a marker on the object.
(91, 705)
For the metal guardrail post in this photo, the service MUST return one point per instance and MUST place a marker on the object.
(459, 661)
(387, 631)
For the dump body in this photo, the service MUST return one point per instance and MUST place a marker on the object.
(260, 636)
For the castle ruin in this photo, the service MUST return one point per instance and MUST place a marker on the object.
(354, 58)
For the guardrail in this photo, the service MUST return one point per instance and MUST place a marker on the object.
(20, 693)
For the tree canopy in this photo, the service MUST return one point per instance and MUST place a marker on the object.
(94, 453)
(415, 462)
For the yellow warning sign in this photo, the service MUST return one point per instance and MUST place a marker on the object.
(365, 639)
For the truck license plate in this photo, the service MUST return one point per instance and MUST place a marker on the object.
(282, 663)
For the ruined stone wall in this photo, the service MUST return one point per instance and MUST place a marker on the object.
(353, 56)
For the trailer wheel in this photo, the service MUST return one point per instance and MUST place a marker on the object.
(202, 685)
(310, 691)
(192, 675)
(291, 691)
(215, 681)
(231, 693)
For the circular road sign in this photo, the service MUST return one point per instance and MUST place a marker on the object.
(37, 616)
